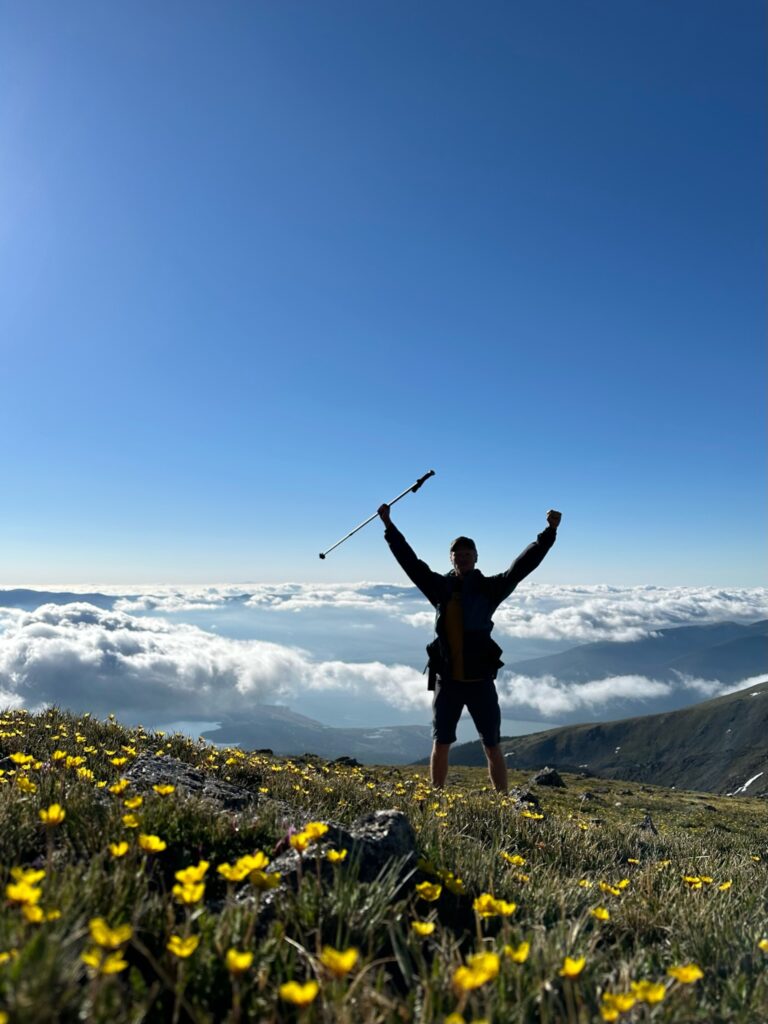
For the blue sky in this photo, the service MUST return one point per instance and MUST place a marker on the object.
(263, 264)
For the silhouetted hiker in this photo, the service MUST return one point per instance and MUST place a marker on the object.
(463, 659)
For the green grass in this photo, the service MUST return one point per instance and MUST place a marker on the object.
(657, 920)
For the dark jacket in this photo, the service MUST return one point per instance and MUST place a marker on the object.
(480, 597)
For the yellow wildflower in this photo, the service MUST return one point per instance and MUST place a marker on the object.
(513, 858)
(300, 841)
(480, 968)
(429, 891)
(315, 829)
(650, 992)
(119, 787)
(118, 849)
(26, 785)
(487, 906)
(614, 1004)
(109, 938)
(36, 914)
(686, 973)
(152, 844)
(336, 856)
(763, 944)
(183, 947)
(572, 967)
(423, 928)
(112, 963)
(612, 889)
(164, 789)
(133, 802)
(600, 913)
(53, 816)
(299, 995)
(29, 875)
(193, 874)
(188, 894)
(22, 892)
(519, 954)
(130, 821)
(725, 886)
(264, 879)
(339, 962)
(232, 874)
(253, 861)
(238, 961)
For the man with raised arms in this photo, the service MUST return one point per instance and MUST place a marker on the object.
(463, 658)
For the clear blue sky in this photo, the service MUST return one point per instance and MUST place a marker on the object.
(262, 264)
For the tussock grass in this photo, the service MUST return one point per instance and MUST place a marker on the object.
(656, 919)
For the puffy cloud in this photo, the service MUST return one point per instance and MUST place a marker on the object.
(88, 658)
(587, 614)
(552, 698)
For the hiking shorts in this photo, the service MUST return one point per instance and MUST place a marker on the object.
(480, 699)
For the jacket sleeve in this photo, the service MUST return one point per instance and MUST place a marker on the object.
(418, 572)
(524, 564)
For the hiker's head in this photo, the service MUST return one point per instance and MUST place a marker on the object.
(463, 555)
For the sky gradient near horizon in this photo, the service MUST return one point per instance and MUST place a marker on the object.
(264, 264)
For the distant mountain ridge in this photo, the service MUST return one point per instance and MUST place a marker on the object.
(718, 745)
(725, 651)
(286, 732)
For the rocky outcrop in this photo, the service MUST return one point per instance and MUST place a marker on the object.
(148, 770)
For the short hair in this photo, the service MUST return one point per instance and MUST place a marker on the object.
(463, 542)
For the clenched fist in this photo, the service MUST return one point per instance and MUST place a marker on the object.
(553, 518)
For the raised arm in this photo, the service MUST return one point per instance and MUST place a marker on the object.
(530, 559)
(418, 572)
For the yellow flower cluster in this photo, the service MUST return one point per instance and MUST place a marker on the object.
(487, 905)
(190, 887)
(479, 969)
(105, 956)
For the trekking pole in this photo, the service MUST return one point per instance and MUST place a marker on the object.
(408, 490)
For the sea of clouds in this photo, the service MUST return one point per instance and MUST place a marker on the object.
(166, 653)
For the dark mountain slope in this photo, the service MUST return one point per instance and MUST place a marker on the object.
(717, 745)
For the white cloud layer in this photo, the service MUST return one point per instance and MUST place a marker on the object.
(134, 660)
(84, 657)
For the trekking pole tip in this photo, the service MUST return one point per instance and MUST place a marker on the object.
(322, 555)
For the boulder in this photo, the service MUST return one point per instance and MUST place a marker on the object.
(548, 777)
(148, 770)
(373, 842)
(347, 762)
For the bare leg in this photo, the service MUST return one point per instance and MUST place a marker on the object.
(497, 767)
(438, 764)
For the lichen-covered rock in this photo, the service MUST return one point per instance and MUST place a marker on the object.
(148, 770)
(373, 842)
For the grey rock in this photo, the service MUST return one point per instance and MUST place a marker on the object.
(524, 796)
(373, 842)
(647, 825)
(592, 798)
(347, 762)
(148, 770)
(548, 777)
